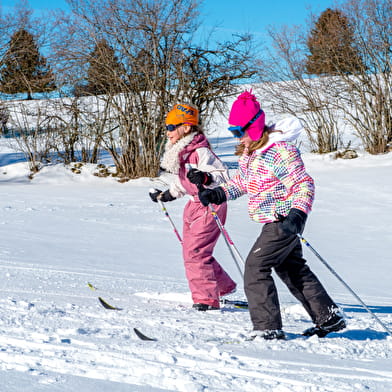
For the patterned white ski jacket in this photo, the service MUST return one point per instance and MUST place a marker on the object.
(274, 177)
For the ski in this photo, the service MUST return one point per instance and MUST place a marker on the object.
(143, 337)
(107, 305)
(234, 302)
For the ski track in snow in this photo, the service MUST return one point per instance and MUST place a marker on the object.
(58, 333)
(55, 336)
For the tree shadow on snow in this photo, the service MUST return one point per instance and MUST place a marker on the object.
(11, 157)
(351, 334)
(360, 334)
(361, 309)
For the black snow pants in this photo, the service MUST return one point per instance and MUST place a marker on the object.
(282, 252)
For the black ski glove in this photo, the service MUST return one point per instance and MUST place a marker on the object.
(162, 196)
(294, 222)
(199, 177)
(154, 195)
(214, 196)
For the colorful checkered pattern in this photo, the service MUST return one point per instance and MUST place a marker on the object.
(275, 181)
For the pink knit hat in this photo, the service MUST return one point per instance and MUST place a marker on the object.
(244, 108)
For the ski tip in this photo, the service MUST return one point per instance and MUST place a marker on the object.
(91, 286)
(142, 336)
(106, 305)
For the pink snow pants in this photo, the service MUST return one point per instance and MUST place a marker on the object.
(207, 279)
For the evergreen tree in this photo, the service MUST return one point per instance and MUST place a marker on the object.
(331, 46)
(24, 70)
(105, 74)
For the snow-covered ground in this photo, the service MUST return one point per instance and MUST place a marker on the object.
(62, 230)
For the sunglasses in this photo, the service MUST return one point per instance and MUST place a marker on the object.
(239, 131)
(172, 127)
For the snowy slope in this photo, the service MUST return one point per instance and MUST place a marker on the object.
(62, 230)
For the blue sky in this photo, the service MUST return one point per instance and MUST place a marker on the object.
(232, 16)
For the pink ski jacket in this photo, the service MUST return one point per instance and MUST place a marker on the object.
(197, 154)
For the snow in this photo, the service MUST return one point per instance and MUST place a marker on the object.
(61, 231)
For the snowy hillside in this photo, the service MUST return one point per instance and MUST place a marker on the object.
(62, 230)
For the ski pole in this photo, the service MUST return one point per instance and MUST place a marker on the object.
(230, 244)
(344, 283)
(235, 254)
(160, 202)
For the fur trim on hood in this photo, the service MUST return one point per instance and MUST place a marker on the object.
(171, 160)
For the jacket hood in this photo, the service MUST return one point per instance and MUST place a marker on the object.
(198, 141)
(176, 153)
(290, 128)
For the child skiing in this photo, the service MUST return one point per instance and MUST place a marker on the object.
(187, 147)
(280, 194)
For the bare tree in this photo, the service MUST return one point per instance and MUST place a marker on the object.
(207, 75)
(141, 58)
(360, 99)
(79, 130)
(160, 65)
(104, 71)
(4, 117)
(368, 94)
(290, 89)
(32, 134)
